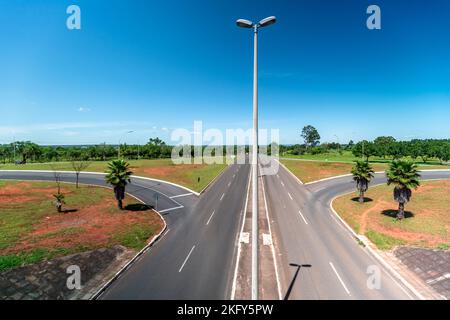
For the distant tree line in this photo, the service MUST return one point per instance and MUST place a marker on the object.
(385, 147)
(382, 147)
(27, 151)
(22, 152)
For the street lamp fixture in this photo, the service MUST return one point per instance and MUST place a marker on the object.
(243, 23)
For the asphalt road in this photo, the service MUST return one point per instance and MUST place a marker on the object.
(195, 257)
(308, 233)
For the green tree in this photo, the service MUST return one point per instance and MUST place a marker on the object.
(413, 149)
(362, 174)
(382, 145)
(364, 149)
(310, 135)
(118, 175)
(404, 175)
(28, 150)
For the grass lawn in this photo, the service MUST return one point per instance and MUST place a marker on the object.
(31, 230)
(427, 222)
(308, 171)
(186, 174)
(347, 156)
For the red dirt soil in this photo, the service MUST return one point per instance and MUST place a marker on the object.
(167, 170)
(95, 223)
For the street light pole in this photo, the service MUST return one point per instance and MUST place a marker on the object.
(255, 26)
(255, 170)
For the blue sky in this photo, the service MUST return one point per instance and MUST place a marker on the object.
(153, 66)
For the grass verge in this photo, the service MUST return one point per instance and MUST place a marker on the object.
(32, 231)
(308, 171)
(427, 222)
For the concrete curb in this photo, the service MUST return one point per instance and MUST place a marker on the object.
(102, 173)
(140, 253)
(213, 180)
(370, 247)
(272, 246)
(296, 178)
(108, 283)
(349, 175)
(238, 254)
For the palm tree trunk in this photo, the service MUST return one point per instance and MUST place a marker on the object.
(119, 204)
(361, 196)
(401, 211)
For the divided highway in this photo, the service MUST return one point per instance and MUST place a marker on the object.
(318, 258)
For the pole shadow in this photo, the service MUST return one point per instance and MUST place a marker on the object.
(291, 286)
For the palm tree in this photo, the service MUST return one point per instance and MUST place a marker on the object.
(118, 175)
(59, 201)
(362, 174)
(404, 175)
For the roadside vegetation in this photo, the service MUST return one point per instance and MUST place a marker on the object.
(426, 221)
(362, 174)
(193, 176)
(404, 176)
(118, 175)
(31, 230)
(312, 161)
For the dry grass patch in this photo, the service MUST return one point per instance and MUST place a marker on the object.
(427, 222)
(29, 222)
(308, 171)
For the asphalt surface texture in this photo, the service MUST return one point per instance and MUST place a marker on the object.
(318, 257)
(195, 257)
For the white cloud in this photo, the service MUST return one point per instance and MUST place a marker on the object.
(83, 109)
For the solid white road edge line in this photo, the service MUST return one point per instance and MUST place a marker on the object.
(159, 236)
(296, 178)
(377, 172)
(171, 209)
(271, 246)
(152, 189)
(236, 268)
(376, 256)
(102, 173)
(187, 258)
(301, 215)
(216, 178)
(339, 277)
(181, 195)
